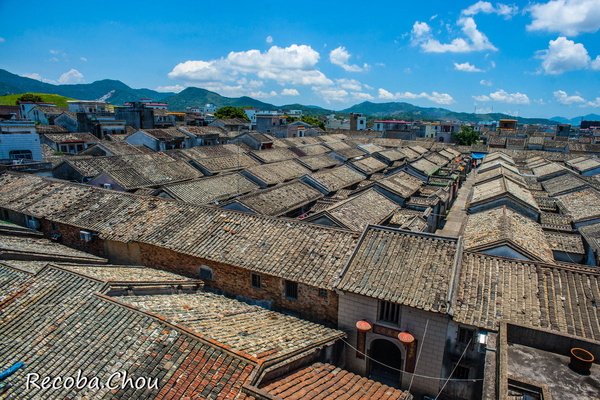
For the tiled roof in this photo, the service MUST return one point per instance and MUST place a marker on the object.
(411, 269)
(233, 121)
(501, 187)
(391, 155)
(410, 154)
(45, 129)
(548, 169)
(569, 243)
(244, 328)
(370, 148)
(495, 172)
(563, 299)
(516, 142)
(584, 164)
(355, 213)
(497, 141)
(498, 156)
(114, 148)
(424, 166)
(273, 155)
(167, 133)
(419, 149)
(559, 222)
(200, 131)
(215, 165)
(72, 137)
(591, 234)
(211, 189)
(126, 273)
(437, 159)
(277, 172)
(536, 140)
(57, 325)
(51, 110)
(338, 178)
(401, 183)
(387, 142)
(314, 149)
(368, 165)
(327, 382)
(312, 254)
(563, 184)
(403, 215)
(582, 206)
(350, 153)
(336, 146)
(280, 199)
(502, 226)
(42, 249)
(315, 163)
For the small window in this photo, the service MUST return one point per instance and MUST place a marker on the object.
(323, 293)
(461, 373)
(53, 226)
(19, 154)
(291, 290)
(255, 280)
(389, 312)
(205, 272)
(465, 335)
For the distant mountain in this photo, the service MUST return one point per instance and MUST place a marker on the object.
(193, 96)
(118, 92)
(577, 120)
(410, 112)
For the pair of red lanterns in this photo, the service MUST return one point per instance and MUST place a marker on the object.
(404, 337)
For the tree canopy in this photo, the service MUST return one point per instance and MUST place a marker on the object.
(30, 97)
(309, 120)
(466, 137)
(231, 112)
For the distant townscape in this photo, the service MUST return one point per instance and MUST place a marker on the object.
(161, 249)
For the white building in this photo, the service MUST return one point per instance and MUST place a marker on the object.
(19, 140)
(86, 106)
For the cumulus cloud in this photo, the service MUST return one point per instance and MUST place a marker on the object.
(269, 39)
(486, 110)
(54, 51)
(361, 96)
(504, 97)
(295, 65)
(486, 83)
(563, 98)
(487, 8)
(290, 92)
(568, 17)
(331, 94)
(351, 84)
(565, 55)
(466, 67)
(173, 88)
(262, 95)
(341, 57)
(71, 77)
(474, 40)
(439, 98)
(37, 77)
(83, 58)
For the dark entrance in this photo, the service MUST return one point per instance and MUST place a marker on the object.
(387, 353)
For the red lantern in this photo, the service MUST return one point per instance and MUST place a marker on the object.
(363, 326)
(406, 338)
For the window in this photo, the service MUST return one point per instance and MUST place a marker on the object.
(323, 293)
(465, 335)
(461, 372)
(291, 290)
(389, 312)
(19, 154)
(255, 280)
(205, 272)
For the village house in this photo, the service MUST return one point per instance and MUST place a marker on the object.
(72, 143)
(160, 139)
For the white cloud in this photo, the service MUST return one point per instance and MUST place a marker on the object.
(504, 97)
(562, 97)
(331, 94)
(361, 96)
(83, 58)
(486, 110)
(37, 77)
(290, 92)
(351, 84)
(466, 67)
(380, 65)
(54, 51)
(341, 58)
(439, 98)
(53, 59)
(262, 95)
(540, 101)
(487, 8)
(486, 83)
(295, 65)
(174, 88)
(568, 17)
(2, 40)
(565, 55)
(269, 39)
(71, 77)
(474, 40)
(595, 65)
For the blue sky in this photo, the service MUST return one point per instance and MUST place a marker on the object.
(538, 59)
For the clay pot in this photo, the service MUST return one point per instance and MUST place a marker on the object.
(581, 360)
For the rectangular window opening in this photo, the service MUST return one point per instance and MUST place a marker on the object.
(291, 290)
(255, 280)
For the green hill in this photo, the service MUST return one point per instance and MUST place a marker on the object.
(60, 101)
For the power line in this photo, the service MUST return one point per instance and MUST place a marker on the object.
(454, 369)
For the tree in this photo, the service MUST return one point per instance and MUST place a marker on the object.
(31, 97)
(466, 137)
(228, 112)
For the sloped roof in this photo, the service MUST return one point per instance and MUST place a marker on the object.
(368, 165)
(501, 187)
(582, 206)
(317, 162)
(273, 155)
(278, 172)
(210, 189)
(338, 178)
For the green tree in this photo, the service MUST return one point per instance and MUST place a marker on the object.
(466, 136)
(231, 112)
(31, 97)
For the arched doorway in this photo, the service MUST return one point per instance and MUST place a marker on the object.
(389, 354)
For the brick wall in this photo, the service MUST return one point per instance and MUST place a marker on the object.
(70, 237)
(236, 281)
(353, 308)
